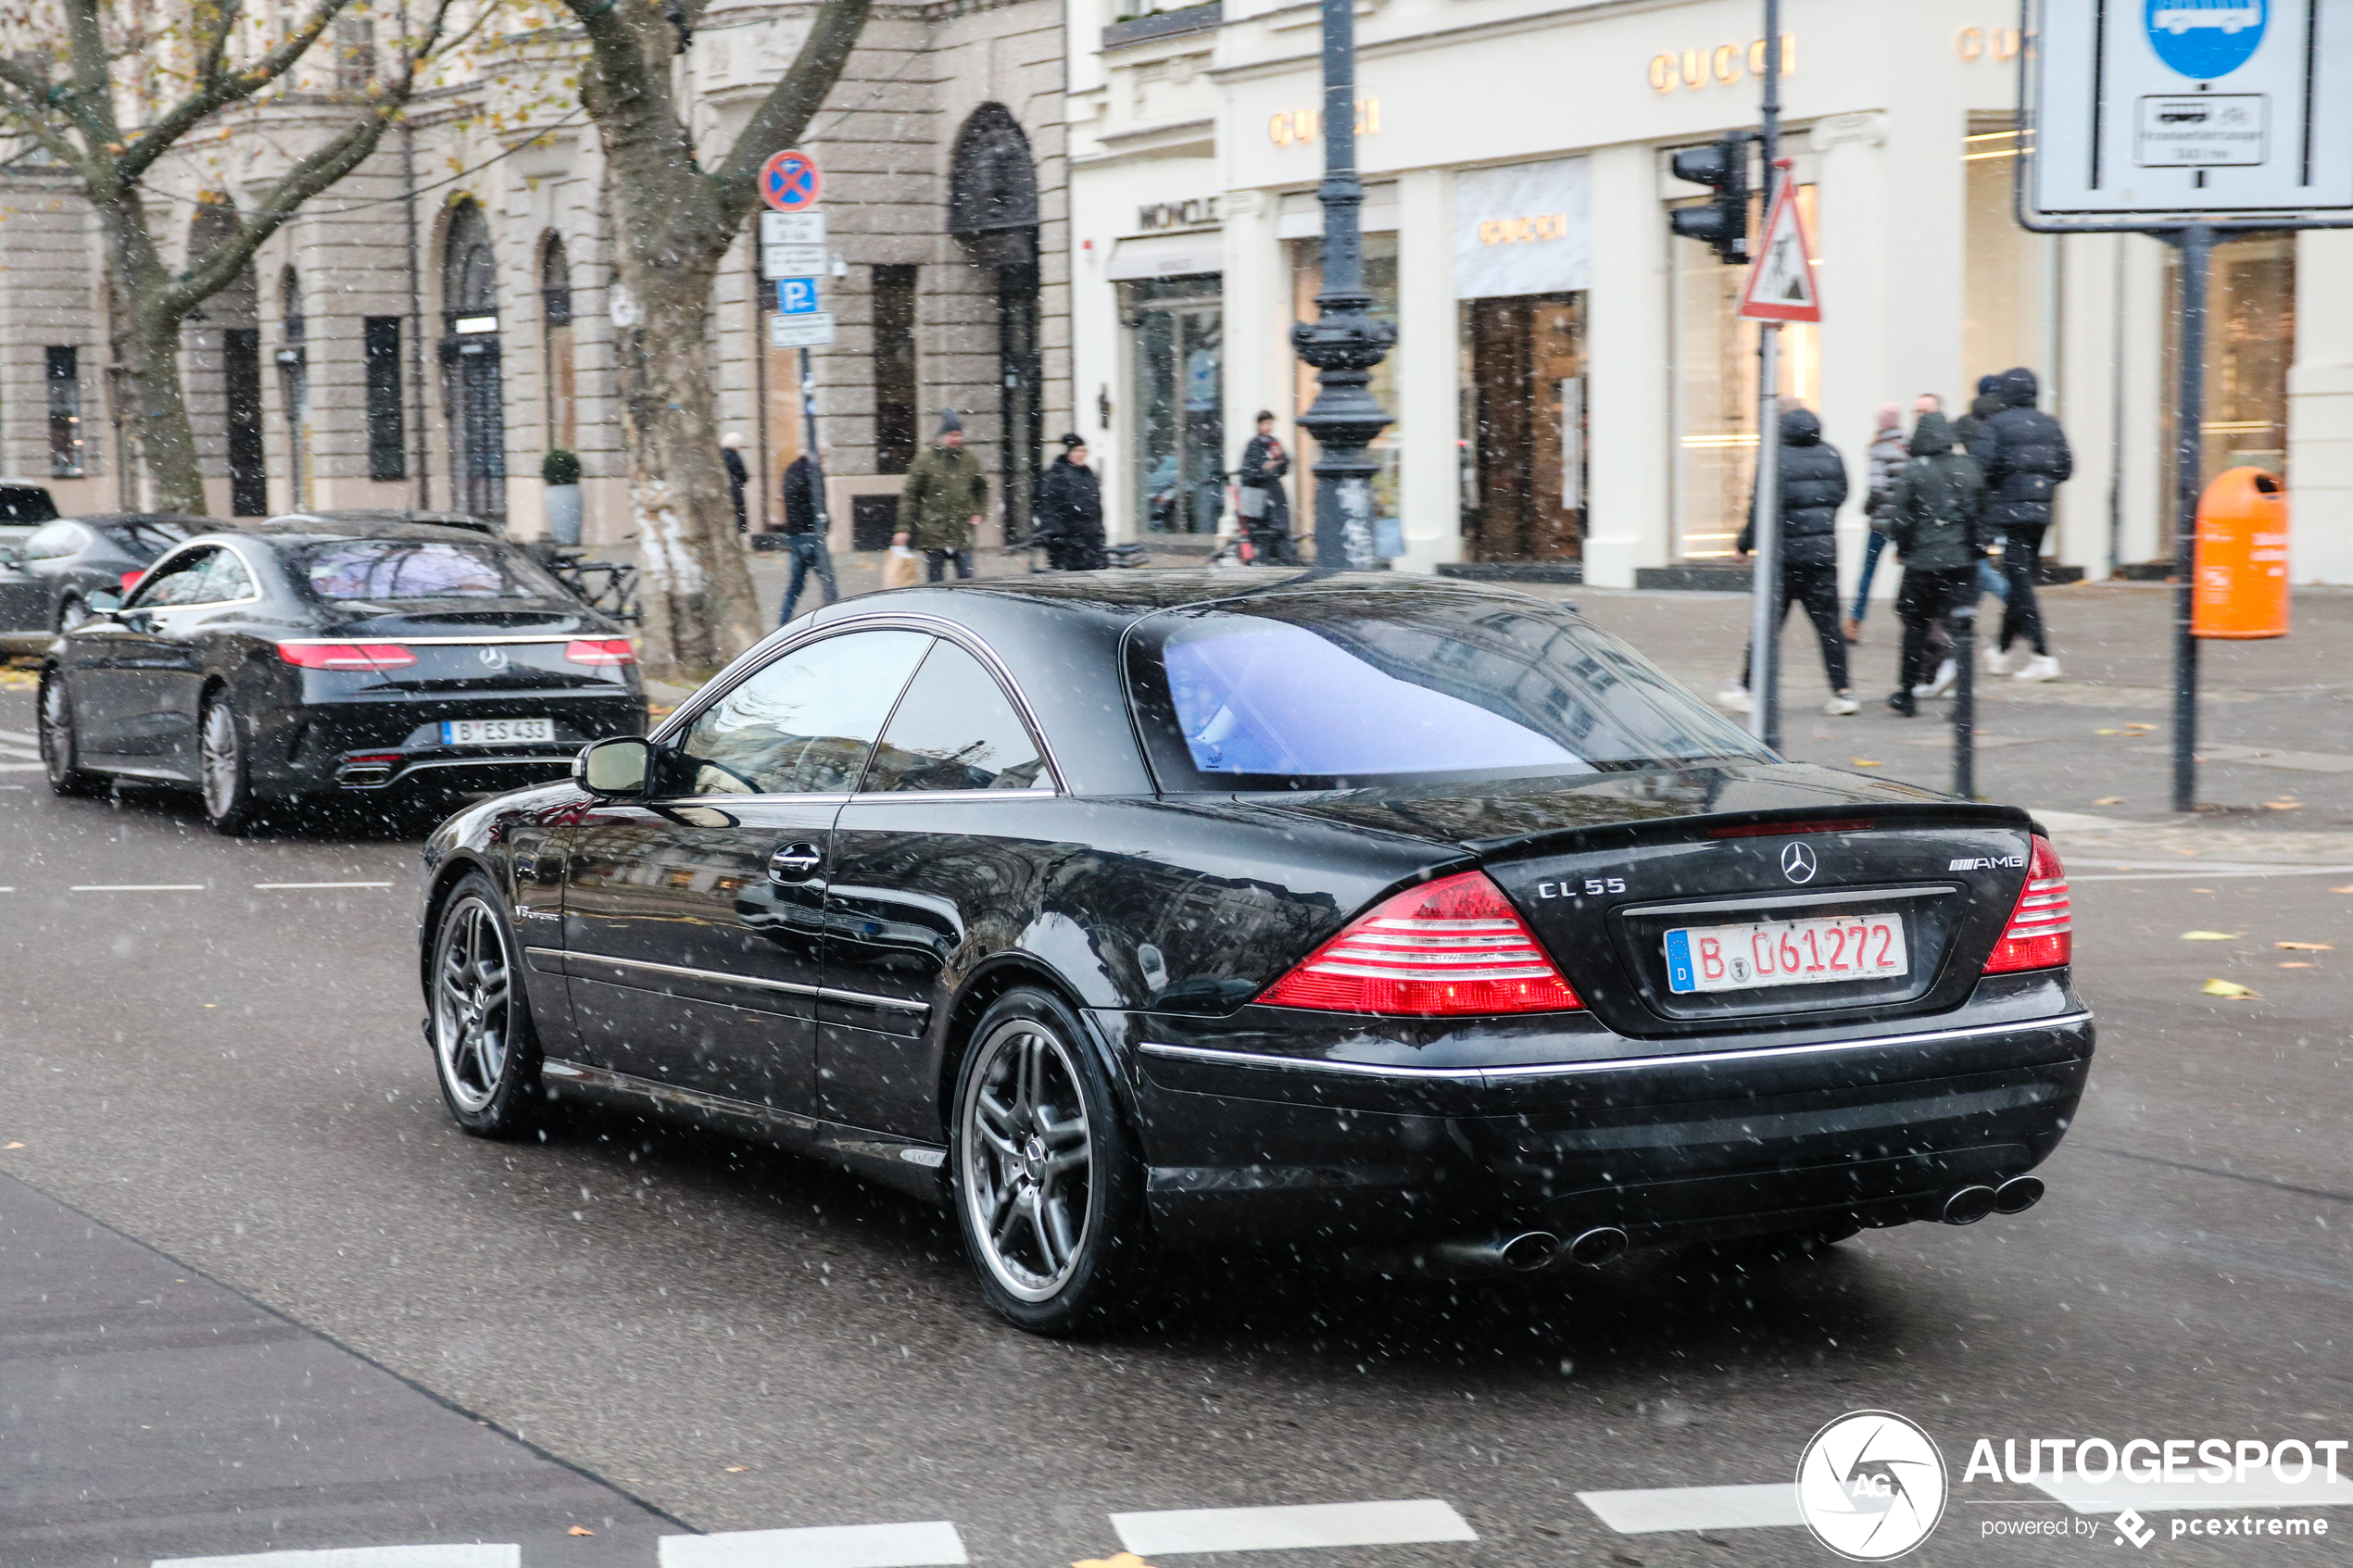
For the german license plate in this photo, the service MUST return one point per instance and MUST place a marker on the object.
(1786, 952)
(495, 732)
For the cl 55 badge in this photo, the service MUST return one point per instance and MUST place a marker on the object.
(1592, 888)
(1985, 862)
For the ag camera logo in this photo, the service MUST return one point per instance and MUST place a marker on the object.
(1872, 1485)
(2205, 39)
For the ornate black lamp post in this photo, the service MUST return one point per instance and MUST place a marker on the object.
(1343, 342)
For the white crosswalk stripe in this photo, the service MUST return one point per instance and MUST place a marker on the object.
(929, 1545)
(1695, 1507)
(1277, 1529)
(473, 1555)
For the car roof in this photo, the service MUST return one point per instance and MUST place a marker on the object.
(188, 521)
(1136, 593)
(376, 516)
(299, 526)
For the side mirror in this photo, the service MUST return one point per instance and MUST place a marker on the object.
(101, 601)
(616, 767)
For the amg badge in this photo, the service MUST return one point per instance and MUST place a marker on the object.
(1985, 862)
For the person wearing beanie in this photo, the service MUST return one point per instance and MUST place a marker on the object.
(943, 501)
(1070, 512)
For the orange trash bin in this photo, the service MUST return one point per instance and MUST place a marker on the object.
(2241, 590)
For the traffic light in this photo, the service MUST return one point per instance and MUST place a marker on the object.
(1722, 224)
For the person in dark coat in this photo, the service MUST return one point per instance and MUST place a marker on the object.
(805, 532)
(2024, 454)
(1070, 512)
(1987, 404)
(1934, 510)
(730, 453)
(1265, 509)
(1813, 487)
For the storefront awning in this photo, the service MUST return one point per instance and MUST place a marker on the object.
(1167, 255)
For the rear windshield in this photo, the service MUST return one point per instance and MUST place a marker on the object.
(413, 569)
(146, 539)
(22, 503)
(1330, 690)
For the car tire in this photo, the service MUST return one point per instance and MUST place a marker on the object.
(54, 725)
(224, 777)
(1046, 1183)
(485, 1052)
(72, 612)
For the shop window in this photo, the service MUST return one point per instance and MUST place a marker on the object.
(1177, 345)
(1381, 281)
(1716, 390)
(67, 458)
(895, 416)
(2006, 278)
(1525, 470)
(2250, 343)
(387, 433)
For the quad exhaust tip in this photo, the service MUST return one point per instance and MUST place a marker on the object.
(1603, 1244)
(1968, 1205)
(2017, 1194)
(1529, 1252)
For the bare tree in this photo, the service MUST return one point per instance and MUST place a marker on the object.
(673, 221)
(107, 90)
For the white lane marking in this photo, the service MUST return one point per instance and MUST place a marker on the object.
(279, 886)
(19, 767)
(1696, 1508)
(139, 887)
(824, 1546)
(19, 737)
(473, 1555)
(2256, 1491)
(1277, 1529)
(2208, 875)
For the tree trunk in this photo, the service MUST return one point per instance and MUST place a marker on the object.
(693, 581)
(151, 361)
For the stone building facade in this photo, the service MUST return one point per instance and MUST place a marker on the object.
(424, 332)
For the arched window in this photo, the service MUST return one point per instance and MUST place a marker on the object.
(992, 210)
(473, 395)
(555, 314)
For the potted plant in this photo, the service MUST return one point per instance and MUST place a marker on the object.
(560, 471)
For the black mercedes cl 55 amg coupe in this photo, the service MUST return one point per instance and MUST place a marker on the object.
(1131, 914)
(312, 658)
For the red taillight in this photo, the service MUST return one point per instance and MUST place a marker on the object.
(131, 580)
(2041, 933)
(600, 650)
(345, 656)
(1448, 947)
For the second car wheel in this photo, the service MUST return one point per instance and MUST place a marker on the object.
(1049, 1191)
(56, 739)
(486, 1054)
(220, 769)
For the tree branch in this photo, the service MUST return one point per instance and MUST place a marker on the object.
(784, 116)
(219, 90)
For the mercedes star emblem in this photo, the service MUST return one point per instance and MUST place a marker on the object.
(494, 657)
(1798, 863)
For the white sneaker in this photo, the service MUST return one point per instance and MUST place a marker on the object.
(2041, 667)
(1839, 705)
(1997, 661)
(1948, 675)
(1736, 698)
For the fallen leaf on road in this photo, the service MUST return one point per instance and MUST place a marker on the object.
(2232, 989)
(2296, 966)
(14, 1146)
(2283, 805)
(580, 1530)
(2306, 947)
(2341, 889)
(1863, 761)
(2212, 935)
(737, 1469)
(2107, 731)
(2138, 725)
(2110, 800)
(1124, 1560)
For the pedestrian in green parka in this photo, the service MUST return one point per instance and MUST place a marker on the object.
(942, 502)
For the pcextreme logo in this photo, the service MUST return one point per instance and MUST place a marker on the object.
(1872, 1485)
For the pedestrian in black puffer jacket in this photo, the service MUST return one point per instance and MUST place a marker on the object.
(1934, 510)
(1813, 487)
(2024, 454)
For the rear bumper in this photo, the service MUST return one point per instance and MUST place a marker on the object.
(1746, 1139)
(376, 747)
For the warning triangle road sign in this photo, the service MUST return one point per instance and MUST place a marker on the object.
(1781, 285)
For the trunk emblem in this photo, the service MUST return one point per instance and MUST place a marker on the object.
(493, 656)
(1798, 863)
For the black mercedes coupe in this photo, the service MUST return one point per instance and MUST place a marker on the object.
(310, 658)
(1137, 913)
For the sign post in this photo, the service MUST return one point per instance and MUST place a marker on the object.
(2192, 120)
(792, 255)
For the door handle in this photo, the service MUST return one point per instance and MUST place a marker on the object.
(794, 862)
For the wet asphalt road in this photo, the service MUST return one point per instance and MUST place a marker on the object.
(234, 1076)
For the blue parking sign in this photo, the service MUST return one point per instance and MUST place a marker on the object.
(797, 296)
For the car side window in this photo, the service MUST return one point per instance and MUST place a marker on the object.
(225, 578)
(179, 581)
(805, 724)
(955, 728)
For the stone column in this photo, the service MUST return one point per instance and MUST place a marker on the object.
(1630, 402)
(1428, 400)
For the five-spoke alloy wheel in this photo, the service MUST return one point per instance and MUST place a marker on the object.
(480, 1023)
(1047, 1191)
(220, 769)
(56, 739)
